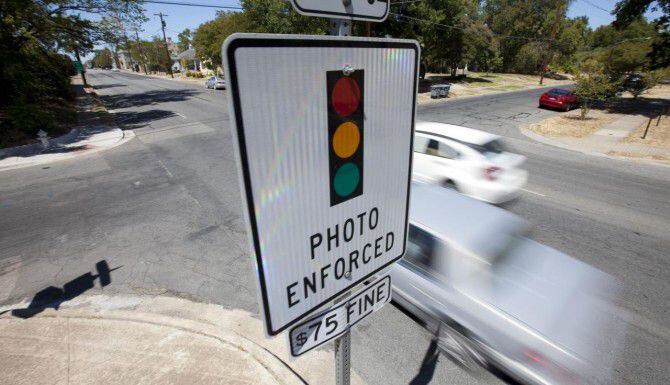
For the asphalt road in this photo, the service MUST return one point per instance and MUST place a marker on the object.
(166, 209)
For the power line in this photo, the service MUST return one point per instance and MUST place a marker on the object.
(596, 6)
(192, 4)
(405, 2)
(465, 29)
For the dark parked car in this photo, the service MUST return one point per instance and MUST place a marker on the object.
(633, 81)
(559, 98)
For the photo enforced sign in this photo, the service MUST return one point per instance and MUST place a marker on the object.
(323, 136)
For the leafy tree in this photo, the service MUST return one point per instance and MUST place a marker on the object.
(622, 50)
(628, 11)
(481, 49)
(592, 84)
(573, 36)
(278, 16)
(184, 40)
(103, 59)
(444, 28)
(209, 37)
(525, 29)
(34, 74)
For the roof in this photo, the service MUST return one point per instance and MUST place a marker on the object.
(481, 229)
(189, 54)
(459, 133)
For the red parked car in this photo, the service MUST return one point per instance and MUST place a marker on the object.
(559, 98)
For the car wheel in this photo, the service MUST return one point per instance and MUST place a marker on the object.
(566, 108)
(454, 343)
(450, 184)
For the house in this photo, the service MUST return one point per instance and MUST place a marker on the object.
(187, 61)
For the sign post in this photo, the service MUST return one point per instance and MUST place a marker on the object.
(343, 359)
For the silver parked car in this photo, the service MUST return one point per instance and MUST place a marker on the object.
(494, 297)
(216, 82)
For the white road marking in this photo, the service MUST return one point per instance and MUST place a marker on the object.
(166, 169)
(182, 115)
(533, 192)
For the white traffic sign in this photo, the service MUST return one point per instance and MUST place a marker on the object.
(368, 10)
(332, 323)
(323, 130)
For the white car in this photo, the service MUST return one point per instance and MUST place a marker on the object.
(470, 161)
(216, 82)
(492, 296)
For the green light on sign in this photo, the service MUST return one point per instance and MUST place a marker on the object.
(346, 179)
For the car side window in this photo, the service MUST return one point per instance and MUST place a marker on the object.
(433, 146)
(421, 249)
(446, 151)
(420, 144)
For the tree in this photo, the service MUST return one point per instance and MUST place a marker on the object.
(103, 59)
(525, 29)
(209, 37)
(572, 37)
(444, 28)
(184, 40)
(628, 11)
(622, 50)
(592, 84)
(278, 16)
(35, 74)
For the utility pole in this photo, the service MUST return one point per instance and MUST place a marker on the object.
(83, 70)
(167, 51)
(553, 37)
(139, 48)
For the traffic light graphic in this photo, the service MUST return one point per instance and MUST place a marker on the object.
(346, 96)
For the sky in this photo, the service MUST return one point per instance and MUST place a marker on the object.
(180, 17)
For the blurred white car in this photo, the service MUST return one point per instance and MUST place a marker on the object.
(471, 161)
(494, 297)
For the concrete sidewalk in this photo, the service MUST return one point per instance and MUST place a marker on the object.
(608, 141)
(149, 340)
(91, 134)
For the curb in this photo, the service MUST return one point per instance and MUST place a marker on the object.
(555, 143)
(154, 340)
(16, 162)
(33, 154)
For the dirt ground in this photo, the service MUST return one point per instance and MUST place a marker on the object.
(570, 124)
(478, 83)
(657, 136)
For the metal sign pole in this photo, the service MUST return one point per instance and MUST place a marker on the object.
(343, 359)
(342, 27)
(343, 352)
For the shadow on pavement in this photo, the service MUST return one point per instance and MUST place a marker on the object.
(103, 86)
(132, 119)
(428, 365)
(53, 297)
(146, 98)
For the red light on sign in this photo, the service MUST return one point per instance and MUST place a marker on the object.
(346, 96)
